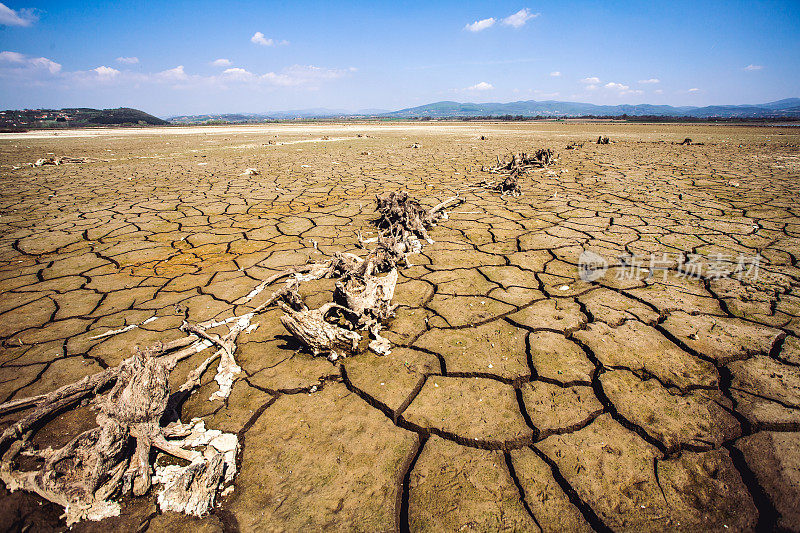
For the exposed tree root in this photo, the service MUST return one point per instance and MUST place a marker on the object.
(114, 457)
(522, 162)
(403, 214)
(515, 168)
(509, 185)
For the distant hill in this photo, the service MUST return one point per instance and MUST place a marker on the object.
(292, 114)
(789, 107)
(75, 117)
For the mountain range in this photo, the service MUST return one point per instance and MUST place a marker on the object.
(787, 108)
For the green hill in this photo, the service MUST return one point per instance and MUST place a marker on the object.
(76, 117)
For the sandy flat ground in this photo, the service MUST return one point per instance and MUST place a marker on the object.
(663, 393)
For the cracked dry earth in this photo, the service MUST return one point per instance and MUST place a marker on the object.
(517, 396)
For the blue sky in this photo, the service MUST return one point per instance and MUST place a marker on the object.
(221, 57)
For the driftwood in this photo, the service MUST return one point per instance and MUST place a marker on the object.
(404, 215)
(362, 301)
(114, 457)
(574, 146)
(63, 160)
(523, 162)
(515, 168)
(313, 328)
(509, 185)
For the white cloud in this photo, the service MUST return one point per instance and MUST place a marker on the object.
(128, 60)
(482, 86)
(237, 74)
(480, 25)
(43, 62)
(173, 74)
(616, 86)
(555, 74)
(22, 17)
(102, 74)
(693, 90)
(650, 81)
(12, 57)
(591, 79)
(622, 89)
(258, 38)
(752, 67)
(105, 73)
(221, 62)
(20, 63)
(659, 91)
(518, 19)
(591, 87)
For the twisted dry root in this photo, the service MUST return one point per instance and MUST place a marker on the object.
(114, 457)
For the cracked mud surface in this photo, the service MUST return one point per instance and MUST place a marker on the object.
(517, 395)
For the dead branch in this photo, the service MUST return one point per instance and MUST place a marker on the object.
(362, 300)
(227, 369)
